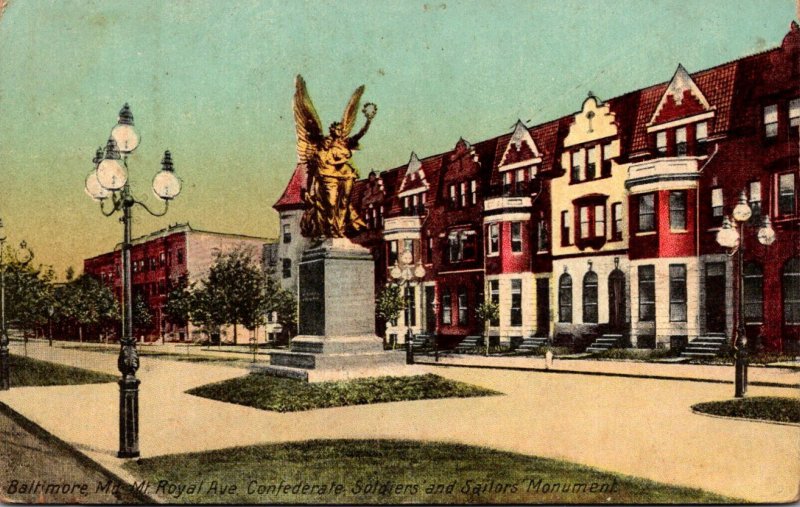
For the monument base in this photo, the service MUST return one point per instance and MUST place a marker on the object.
(337, 320)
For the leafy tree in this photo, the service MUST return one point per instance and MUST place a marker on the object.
(29, 292)
(388, 305)
(281, 302)
(235, 285)
(178, 307)
(205, 310)
(487, 311)
(86, 302)
(142, 316)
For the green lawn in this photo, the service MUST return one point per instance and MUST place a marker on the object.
(33, 372)
(288, 395)
(769, 408)
(158, 354)
(392, 472)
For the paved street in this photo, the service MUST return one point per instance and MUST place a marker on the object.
(640, 427)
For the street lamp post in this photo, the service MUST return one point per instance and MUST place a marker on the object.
(436, 329)
(110, 179)
(731, 238)
(403, 273)
(22, 257)
(50, 311)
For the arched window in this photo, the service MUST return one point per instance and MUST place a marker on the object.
(753, 293)
(565, 298)
(590, 297)
(791, 292)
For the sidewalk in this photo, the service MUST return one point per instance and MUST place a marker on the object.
(757, 375)
(639, 427)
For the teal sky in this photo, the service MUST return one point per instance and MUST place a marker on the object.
(212, 81)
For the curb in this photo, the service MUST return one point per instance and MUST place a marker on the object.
(608, 374)
(746, 419)
(42, 433)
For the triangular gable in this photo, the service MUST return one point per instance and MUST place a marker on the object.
(521, 149)
(681, 99)
(292, 197)
(415, 176)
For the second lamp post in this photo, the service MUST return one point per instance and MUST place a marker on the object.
(110, 179)
(731, 238)
(404, 273)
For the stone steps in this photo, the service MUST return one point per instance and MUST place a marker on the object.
(533, 343)
(709, 345)
(470, 342)
(605, 342)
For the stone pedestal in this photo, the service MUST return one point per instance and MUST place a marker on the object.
(337, 319)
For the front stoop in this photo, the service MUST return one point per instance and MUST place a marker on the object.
(707, 346)
(606, 342)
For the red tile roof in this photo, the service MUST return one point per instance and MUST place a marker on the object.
(292, 197)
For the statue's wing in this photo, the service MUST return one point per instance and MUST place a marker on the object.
(309, 129)
(350, 112)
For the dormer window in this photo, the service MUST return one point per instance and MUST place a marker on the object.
(680, 142)
(661, 143)
(701, 134)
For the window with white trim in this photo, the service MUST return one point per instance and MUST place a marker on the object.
(787, 196)
(591, 163)
(680, 141)
(717, 204)
(661, 142)
(754, 193)
(794, 113)
(677, 293)
(493, 239)
(590, 297)
(677, 210)
(616, 217)
(575, 164)
(565, 229)
(647, 293)
(771, 120)
(516, 302)
(565, 298)
(447, 309)
(647, 212)
(790, 279)
(462, 306)
(516, 237)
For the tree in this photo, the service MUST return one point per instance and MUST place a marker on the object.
(388, 305)
(29, 292)
(282, 303)
(142, 316)
(486, 312)
(86, 302)
(235, 284)
(178, 307)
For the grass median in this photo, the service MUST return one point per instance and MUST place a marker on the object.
(287, 395)
(765, 408)
(392, 472)
(25, 372)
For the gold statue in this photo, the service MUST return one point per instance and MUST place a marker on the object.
(331, 173)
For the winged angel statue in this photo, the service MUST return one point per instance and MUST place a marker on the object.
(331, 173)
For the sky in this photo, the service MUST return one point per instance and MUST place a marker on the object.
(212, 81)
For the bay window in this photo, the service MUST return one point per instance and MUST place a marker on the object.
(516, 237)
(677, 210)
(647, 293)
(677, 293)
(647, 213)
(493, 239)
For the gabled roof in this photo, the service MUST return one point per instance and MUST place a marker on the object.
(292, 197)
(520, 148)
(415, 177)
(718, 85)
(681, 99)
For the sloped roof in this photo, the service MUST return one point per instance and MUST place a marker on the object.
(292, 197)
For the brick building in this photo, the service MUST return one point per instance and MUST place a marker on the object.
(162, 260)
(604, 220)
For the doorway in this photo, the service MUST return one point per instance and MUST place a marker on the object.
(542, 307)
(715, 297)
(616, 300)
